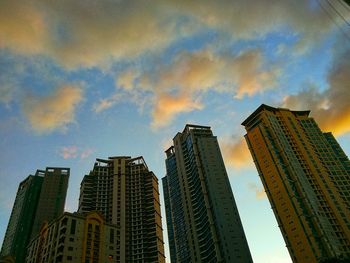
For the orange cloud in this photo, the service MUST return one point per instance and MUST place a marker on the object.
(243, 74)
(331, 108)
(236, 153)
(259, 192)
(85, 34)
(251, 77)
(54, 111)
(191, 75)
(22, 27)
(168, 106)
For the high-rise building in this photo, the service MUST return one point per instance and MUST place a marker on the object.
(29, 210)
(19, 228)
(75, 238)
(202, 216)
(52, 197)
(126, 193)
(306, 176)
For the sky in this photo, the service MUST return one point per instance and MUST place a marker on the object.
(81, 80)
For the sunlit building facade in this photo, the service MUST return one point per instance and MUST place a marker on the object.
(39, 199)
(306, 176)
(202, 217)
(126, 193)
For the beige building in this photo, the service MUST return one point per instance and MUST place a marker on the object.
(306, 176)
(75, 238)
(126, 193)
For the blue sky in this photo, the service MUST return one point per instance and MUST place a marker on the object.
(81, 80)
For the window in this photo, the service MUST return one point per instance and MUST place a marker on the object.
(111, 236)
(72, 226)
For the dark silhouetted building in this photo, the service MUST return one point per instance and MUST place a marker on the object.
(40, 198)
(202, 216)
(126, 193)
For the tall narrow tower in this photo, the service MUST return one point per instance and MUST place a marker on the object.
(29, 211)
(126, 193)
(52, 197)
(306, 176)
(202, 217)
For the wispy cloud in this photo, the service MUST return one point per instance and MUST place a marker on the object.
(236, 153)
(69, 152)
(73, 152)
(6, 93)
(330, 108)
(104, 104)
(86, 153)
(55, 111)
(259, 192)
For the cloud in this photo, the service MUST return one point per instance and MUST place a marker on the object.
(243, 73)
(86, 153)
(48, 113)
(330, 108)
(69, 152)
(73, 152)
(190, 75)
(83, 33)
(22, 27)
(244, 19)
(251, 77)
(126, 79)
(104, 104)
(259, 192)
(92, 33)
(236, 153)
(168, 106)
(6, 93)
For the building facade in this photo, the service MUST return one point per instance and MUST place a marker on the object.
(75, 238)
(202, 217)
(306, 176)
(52, 197)
(22, 217)
(40, 198)
(126, 193)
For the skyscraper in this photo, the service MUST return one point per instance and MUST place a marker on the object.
(28, 210)
(52, 196)
(126, 193)
(306, 176)
(202, 217)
